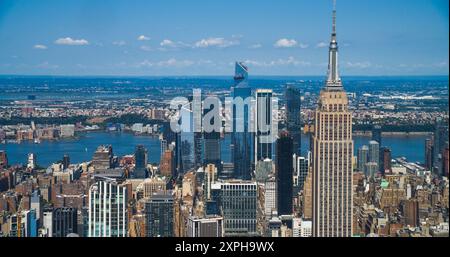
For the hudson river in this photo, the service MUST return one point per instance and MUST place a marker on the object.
(82, 148)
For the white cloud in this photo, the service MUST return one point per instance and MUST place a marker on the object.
(321, 45)
(145, 63)
(119, 43)
(168, 44)
(303, 46)
(216, 42)
(255, 46)
(42, 47)
(71, 41)
(441, 64)
(172, 62)
(206, 62)
(143, 38)
(47, 65)
(279, 62)
(146, 48)
(413, 66)
(175, 63)
(359, 65)
(284, 43)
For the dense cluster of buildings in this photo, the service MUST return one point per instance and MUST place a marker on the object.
(37, 133)
(269, 189)
(18, 133)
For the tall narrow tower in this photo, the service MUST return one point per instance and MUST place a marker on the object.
(332, 155)
(242, 145)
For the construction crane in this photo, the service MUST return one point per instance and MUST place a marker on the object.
(19, 218)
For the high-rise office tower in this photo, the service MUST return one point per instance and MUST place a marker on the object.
(159, 215)
(429, 144)
(307, 197)
(198, 148)
(376, 133)
(185, 141)
(26, 224)
(107, 209)
(264, 137)
(332, 155)
(36, 204)
(239, 207)
(178, 158)
(284, 173)
(293, 118)
(363, 158)
(376, 136)
(241, 140)
(167, 166)
(386, 158)
(440, 143)
(66, 161)
(210, 178)
(211, 142)
(196, 106)
(3, 159)
(371, 169)
(64, 221)
(410, 209)
(168, 134)
(47, 223)
(445, 162)
(374, 152)
(140, 155)
(164, 146)
(31, 161)
(302, 169)
(263, 170)
(270, 196)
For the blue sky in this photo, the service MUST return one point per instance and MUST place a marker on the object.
(179, 37)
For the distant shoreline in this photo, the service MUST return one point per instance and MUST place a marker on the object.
(392, 133)
(319, 77)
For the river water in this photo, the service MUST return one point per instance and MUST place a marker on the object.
(83, 147)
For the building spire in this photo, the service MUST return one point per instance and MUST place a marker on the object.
(333, 80)
(334, 18)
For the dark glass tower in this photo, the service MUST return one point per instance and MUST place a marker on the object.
(211, 144)
(140, 156)
(242, 146)
(285, 170)
(293, 118)
(66, 161)
(376, 134)
(264, 149)
(440, 143)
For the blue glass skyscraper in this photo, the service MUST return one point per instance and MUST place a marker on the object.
(186, 141)
(242, 146)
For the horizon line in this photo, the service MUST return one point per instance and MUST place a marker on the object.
(216, 75)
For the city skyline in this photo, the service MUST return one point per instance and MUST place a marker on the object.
(198, 40)
(235, 157)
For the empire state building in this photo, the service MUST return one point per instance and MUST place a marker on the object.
(332, 155)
